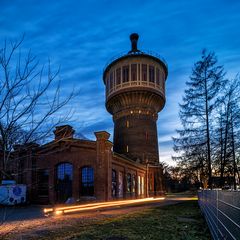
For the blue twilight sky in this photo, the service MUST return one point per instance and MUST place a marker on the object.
(81, 36)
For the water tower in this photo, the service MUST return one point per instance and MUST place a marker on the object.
(135, 94)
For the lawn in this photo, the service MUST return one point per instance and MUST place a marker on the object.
(180, 221)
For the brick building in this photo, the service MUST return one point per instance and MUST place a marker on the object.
(101, 170)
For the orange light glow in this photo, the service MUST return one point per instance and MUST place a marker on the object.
(47, 210)
(92, 206)
(58, 212)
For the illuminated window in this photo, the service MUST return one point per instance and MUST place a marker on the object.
(151, 74)
(127, 124)
(134, 72)
(144, 72)
(118, 76)
(133, 183)
(87, 188)
(114, 183)
(139, 185)
(142, 185)
(125, 73)
(127, 148)
(158, 77)
(129, 182)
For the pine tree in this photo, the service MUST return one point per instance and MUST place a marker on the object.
(199, 101)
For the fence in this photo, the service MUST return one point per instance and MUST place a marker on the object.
(222, 213)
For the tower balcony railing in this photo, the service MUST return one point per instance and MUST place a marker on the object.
(139, 53)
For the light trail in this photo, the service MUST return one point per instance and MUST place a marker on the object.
(92, 206)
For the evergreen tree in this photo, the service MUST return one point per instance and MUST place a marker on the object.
(199, 101)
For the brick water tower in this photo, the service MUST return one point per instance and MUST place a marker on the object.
(135, 94)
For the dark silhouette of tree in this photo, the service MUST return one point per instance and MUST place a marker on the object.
(227, 131)
(30, 100)
(199, 102)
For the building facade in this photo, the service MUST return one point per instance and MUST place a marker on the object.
(100, 170)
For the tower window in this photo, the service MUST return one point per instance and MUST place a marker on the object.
(134, 72)
(118, 76)
(151, 74)
(127, 124)
(144, 72)
(111, 80)
(158, 77)
(125, 74)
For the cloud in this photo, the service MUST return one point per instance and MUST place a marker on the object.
(81, 39)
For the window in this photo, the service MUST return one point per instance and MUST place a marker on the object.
(127, 149)
(107, 85)
(65, 171)
(118, 76)
(114, 183)
(134, 72)
(127, 124)
(87, 188)
(64, 177)
(42, 178)
(158, 77)
(133, 183)
(120, 184)
(125, 74)
(142, 185)
(151, 74)
(111, 80)
(139, 185)
(129, 182)
(144, 72)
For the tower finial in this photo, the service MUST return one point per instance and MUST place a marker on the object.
(134, 39)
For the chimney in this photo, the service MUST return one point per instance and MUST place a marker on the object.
(63, 132)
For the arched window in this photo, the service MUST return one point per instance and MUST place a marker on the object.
(64, 176)
(87, 188)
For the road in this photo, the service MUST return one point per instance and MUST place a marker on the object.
(31, 220)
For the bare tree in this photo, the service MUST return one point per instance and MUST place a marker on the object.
(30, 100)
(227, 131)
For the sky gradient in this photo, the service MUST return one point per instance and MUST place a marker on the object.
(82, 36)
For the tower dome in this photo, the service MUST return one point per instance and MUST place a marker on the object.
(135, 94)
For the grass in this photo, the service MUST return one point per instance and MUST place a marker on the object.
(180, 221)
